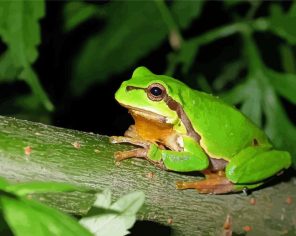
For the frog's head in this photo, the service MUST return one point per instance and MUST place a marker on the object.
(152, 96)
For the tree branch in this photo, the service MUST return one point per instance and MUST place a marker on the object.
(86, 159)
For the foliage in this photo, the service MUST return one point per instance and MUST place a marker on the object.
(22, 40)
(113, 219)
(122, 29)
(21, 215)
(128, 32)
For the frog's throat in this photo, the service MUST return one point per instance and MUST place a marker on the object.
(149, 115)
(175, 106)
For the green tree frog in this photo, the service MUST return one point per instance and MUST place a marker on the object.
(183, 130)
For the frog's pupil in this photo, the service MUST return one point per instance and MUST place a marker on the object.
(156, 91)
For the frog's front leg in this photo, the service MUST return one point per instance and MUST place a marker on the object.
(193, 158)
(138, 152)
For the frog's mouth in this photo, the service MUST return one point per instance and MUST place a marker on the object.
(149, 115)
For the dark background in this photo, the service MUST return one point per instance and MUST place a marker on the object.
(96, 109)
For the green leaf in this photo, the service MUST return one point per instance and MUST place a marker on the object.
(23, 38)
(185, 11)
(21, 189)
(25, 107)
(126, 38)
(287, 58)
(229, 73)
(8, 70)
(251, 105)
(103, 200)
(283, 83)
(204, 84)
(187, 54)
(129, 205)
(116, 219)
(27, 217)
(31, 78)
(279, 128)
(292, 10)
(27, 103)
(106, 224)
(22, 41)
(249, 95)
(235, 95)
(191, 46)
(231, 3)
(283, 24)
(133, 29)
(77, 12)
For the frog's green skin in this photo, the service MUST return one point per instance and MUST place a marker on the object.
(203, 129)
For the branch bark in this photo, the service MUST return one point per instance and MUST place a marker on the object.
(86, 159)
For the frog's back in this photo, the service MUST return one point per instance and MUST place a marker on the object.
(224, 130)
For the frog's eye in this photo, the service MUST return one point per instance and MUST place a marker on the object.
(156, 92)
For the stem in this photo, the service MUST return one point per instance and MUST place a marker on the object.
(31, 78)
(254, 7)
(222, 32)
(169, 20)
(260, 24)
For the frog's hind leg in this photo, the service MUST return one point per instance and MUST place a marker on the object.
(255, 165)
(249, 169)
(214, 183)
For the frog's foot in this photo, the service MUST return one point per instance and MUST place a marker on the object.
(137, 153)
(215, 183)
(135, 141)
